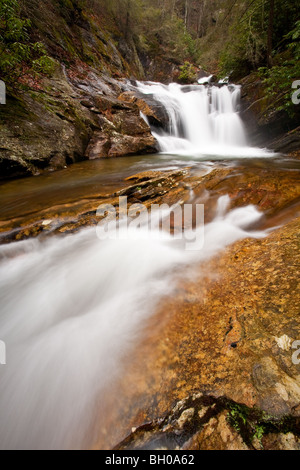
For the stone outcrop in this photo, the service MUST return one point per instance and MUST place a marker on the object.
(44, 130)
(288, 143)
(204, 422)
(154, 111)
(124, 132)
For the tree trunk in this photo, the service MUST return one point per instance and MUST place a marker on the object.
(270, 33)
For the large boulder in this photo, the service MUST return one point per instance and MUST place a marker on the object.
(123, 131)
(118, 145)
(267, 124)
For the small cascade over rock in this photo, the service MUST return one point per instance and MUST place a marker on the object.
(203, 120)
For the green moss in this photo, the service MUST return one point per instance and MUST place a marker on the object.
(252, 423)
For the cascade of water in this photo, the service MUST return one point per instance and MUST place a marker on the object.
(202, 120)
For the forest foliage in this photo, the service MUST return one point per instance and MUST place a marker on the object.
(225, 37)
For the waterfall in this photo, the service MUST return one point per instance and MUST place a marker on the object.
(203, 120)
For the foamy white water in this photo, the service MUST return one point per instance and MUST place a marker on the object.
(71, 308)
(203, 121)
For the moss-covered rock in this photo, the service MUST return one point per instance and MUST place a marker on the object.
(65, 120)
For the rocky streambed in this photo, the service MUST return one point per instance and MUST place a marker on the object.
(223, 360)
(215, 366)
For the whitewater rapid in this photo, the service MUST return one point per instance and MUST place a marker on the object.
(72, 308)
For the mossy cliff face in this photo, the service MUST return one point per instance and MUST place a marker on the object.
(44, 129)
(51, 122)
(267, 125)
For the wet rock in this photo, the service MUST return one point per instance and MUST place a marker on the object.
(266, 123)
(250, 292)
(130, 124)
(124, 132)
(44, 131)
(271, 190)
(289, 143)
(99, 146)
(145, 176)
(61, 124)
(107, 103)
(132, 145)
(128, 136)
(219, 435)
(147, 187)
(15, 165)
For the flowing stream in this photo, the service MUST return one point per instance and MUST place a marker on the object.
(203, 121)
(70, 309)
(73, 307)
